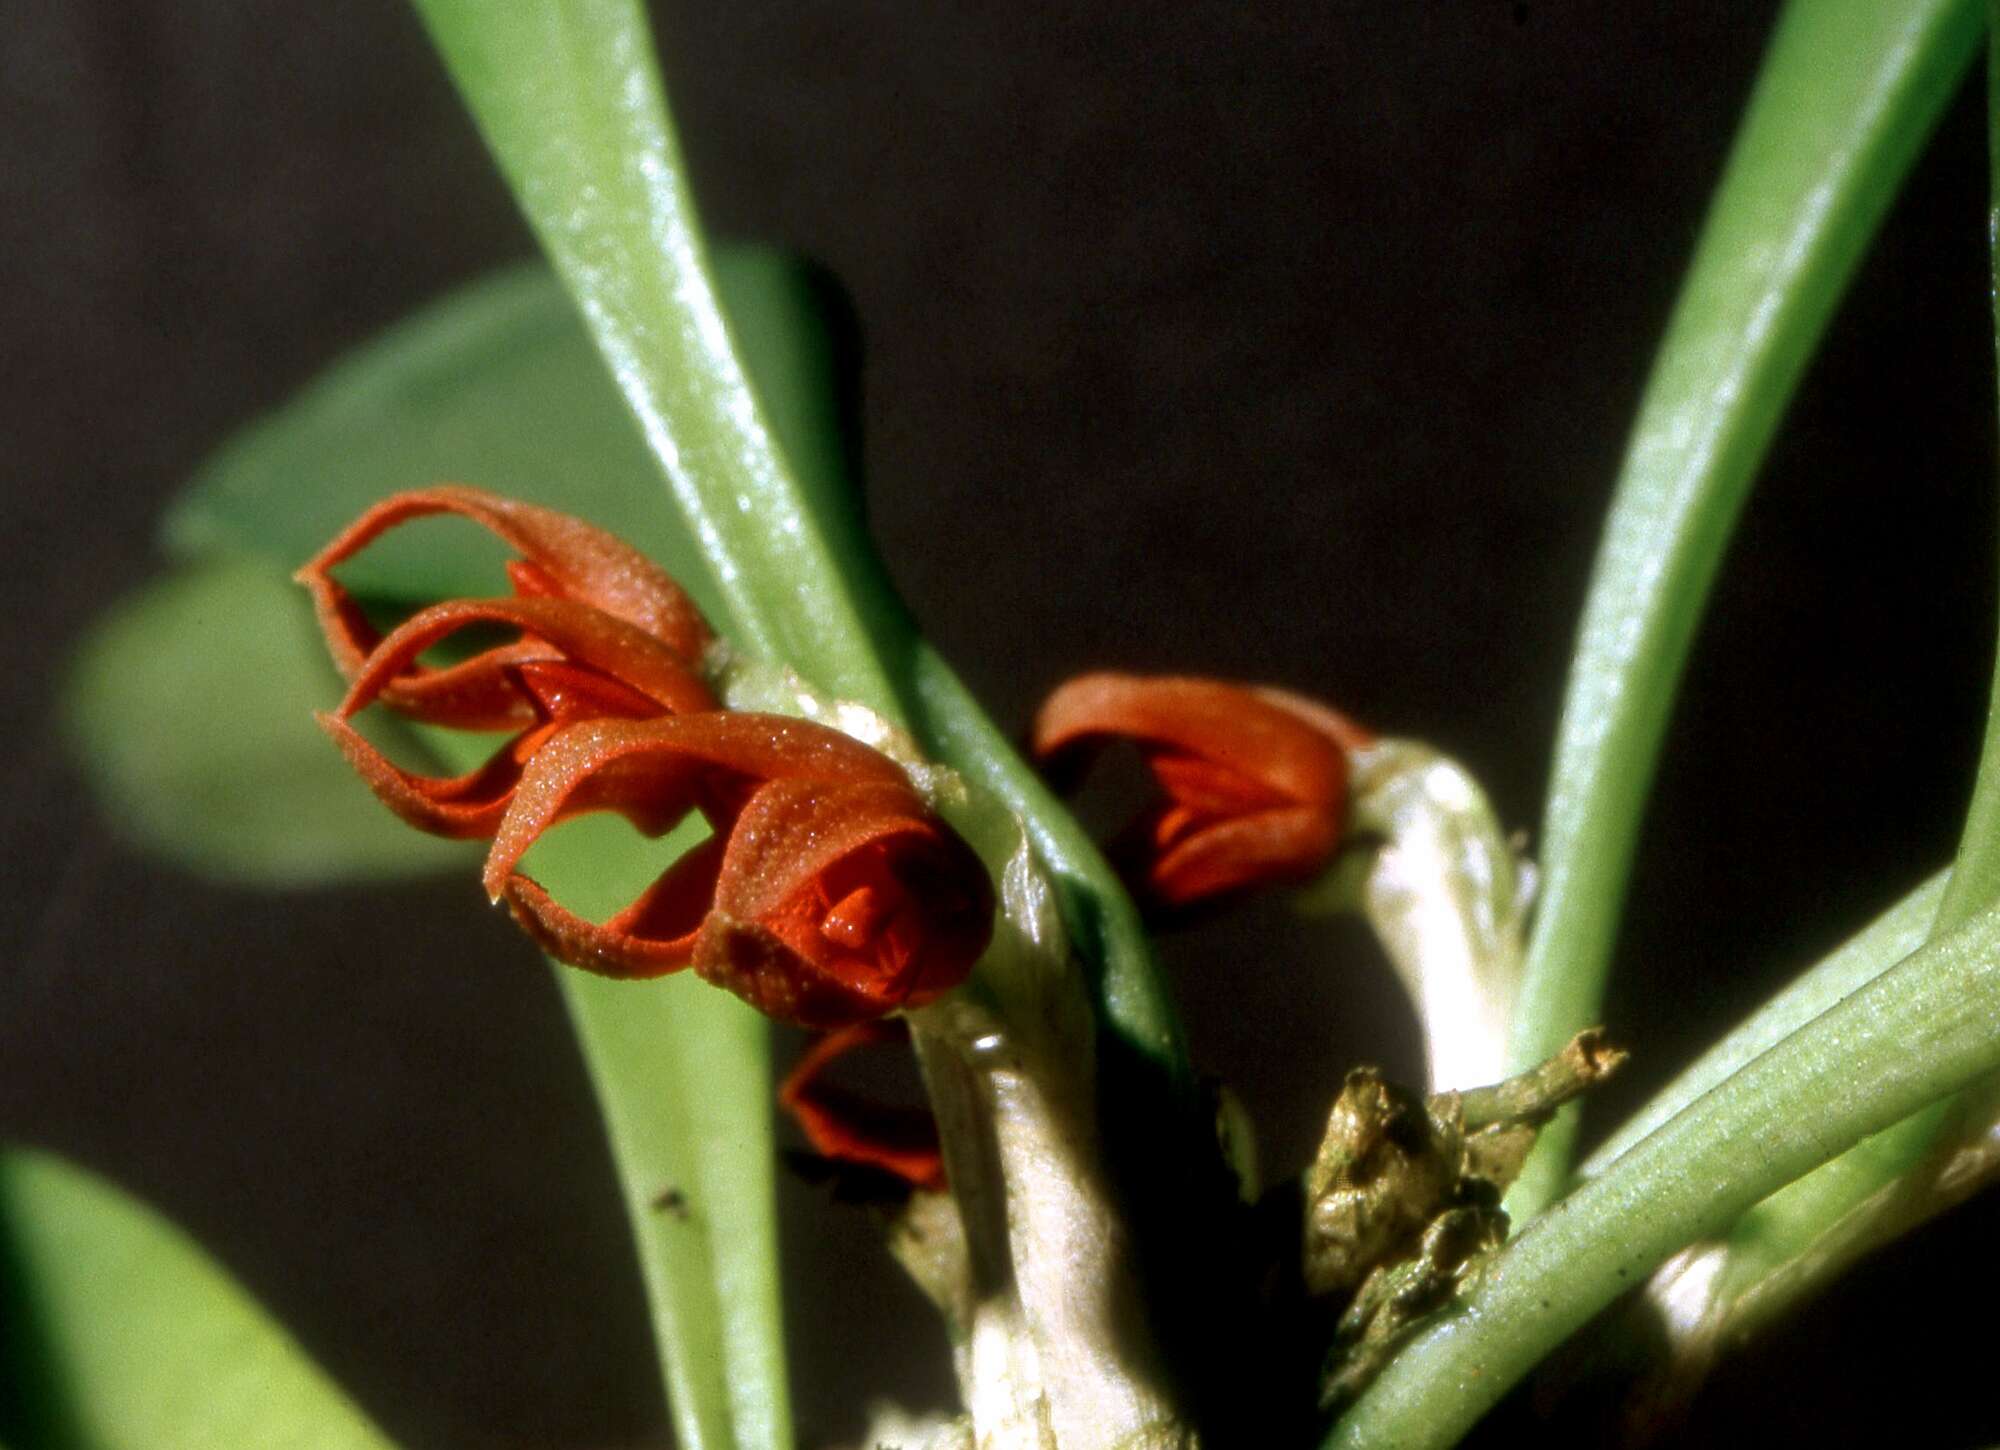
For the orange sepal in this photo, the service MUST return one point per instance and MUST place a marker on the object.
(1255, 780)
(573, 663)
(561, 556)
(849, 1128)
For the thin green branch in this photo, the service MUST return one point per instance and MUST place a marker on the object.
(1844, 101)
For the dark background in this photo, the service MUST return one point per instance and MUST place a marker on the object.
(1290, 341)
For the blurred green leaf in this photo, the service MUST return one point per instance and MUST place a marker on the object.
(1844, 101)
(125, 1336)
(498, 385)
(189, 709)
(682, 1072)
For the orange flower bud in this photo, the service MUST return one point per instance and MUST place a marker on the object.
(830, 893)
(562, 558)
(1255, 779)
(849, 1128)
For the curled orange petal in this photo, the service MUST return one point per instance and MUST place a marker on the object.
(849, 1128)
(834, 893)
(489, 691)
(464, 807)
(1255, 780)
(561, 556)
(572, 663)
(668, 766)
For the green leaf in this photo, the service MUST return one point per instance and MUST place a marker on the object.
(1845, 99)
(569, 100)
(1888, 939)
(1916, 1032)
(189, 709)
(683, 1074)
(127, 1337)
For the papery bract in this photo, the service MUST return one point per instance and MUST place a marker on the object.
(850, 1128)
(1255, 779)
(829, 893)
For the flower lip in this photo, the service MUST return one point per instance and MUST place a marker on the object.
(561, 556)
(1254, 779)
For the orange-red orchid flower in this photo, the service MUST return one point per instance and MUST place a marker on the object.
(600, 631)
(1255, 779)
(562, 558)
(850, 1128)
(829, 893)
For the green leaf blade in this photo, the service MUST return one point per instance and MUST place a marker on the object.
(139, 1341)
(570, 103)
(189, 709)
(1844, 101)
(496, 385)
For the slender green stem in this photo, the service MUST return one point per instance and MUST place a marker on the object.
(1920, 1030)
(1098, 913)
(1844, 101)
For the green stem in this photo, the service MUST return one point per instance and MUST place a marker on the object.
(1920, 1030)
(1844, 101)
